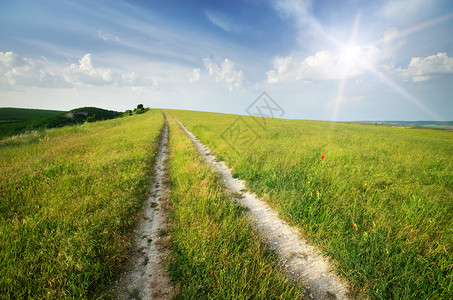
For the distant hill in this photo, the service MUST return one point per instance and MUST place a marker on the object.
(13, 115)
(15, 120)
(430, 124)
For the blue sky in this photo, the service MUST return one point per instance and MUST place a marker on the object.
(323, 60)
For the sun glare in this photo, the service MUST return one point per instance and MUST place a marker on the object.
(350, 51)
(350, 59)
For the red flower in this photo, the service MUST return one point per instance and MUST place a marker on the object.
(322, 157)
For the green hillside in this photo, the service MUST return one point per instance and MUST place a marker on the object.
(29, 121)
(13, 115)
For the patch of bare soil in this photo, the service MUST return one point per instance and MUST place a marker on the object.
(302, 261)
(145, 275)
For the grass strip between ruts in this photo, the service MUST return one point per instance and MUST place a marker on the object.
(215, 254)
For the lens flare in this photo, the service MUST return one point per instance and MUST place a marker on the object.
(353, 59)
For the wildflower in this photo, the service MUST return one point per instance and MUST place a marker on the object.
(322, 157)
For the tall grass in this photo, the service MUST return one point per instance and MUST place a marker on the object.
(68, 201)
(214, 252)
(380, 202)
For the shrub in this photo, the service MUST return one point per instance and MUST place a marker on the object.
(91, 119)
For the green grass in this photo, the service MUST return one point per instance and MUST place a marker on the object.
(214, 253)
(380, 203)
(69, 198)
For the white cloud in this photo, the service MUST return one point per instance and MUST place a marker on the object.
(19, 71)
(225, 72)
(8, 59)
(86, 73)
(194, 75)
(16, 71)
(325, 65)
(422, 69)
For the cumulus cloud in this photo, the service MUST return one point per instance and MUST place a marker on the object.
(194, 75)
(225, 72)
(422, 69)
(86, 73)
(353, 61)
(326, 65)
(20, 71)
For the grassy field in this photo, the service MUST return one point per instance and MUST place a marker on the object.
(215, 253)
(378, 200)
(69, 197)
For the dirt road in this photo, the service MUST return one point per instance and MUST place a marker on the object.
(145, 276)
(302, 261)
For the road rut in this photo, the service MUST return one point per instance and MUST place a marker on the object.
(302, 261)
(145, 276)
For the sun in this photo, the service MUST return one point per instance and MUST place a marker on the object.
(350, 59)
(350, 52)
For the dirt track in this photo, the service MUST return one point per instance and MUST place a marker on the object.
(145, 276)
(302, 261)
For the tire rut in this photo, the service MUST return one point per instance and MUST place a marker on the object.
(302, 261)
(145, 275)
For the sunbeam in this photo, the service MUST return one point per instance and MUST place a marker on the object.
(406, 95)
(351, 60)
(413, 29)
(347, 56)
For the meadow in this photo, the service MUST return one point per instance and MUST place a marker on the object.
(215, 254)
(377, 200)
(69, 199)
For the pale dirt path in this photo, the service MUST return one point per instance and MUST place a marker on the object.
(145, 276)
(301, 260)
